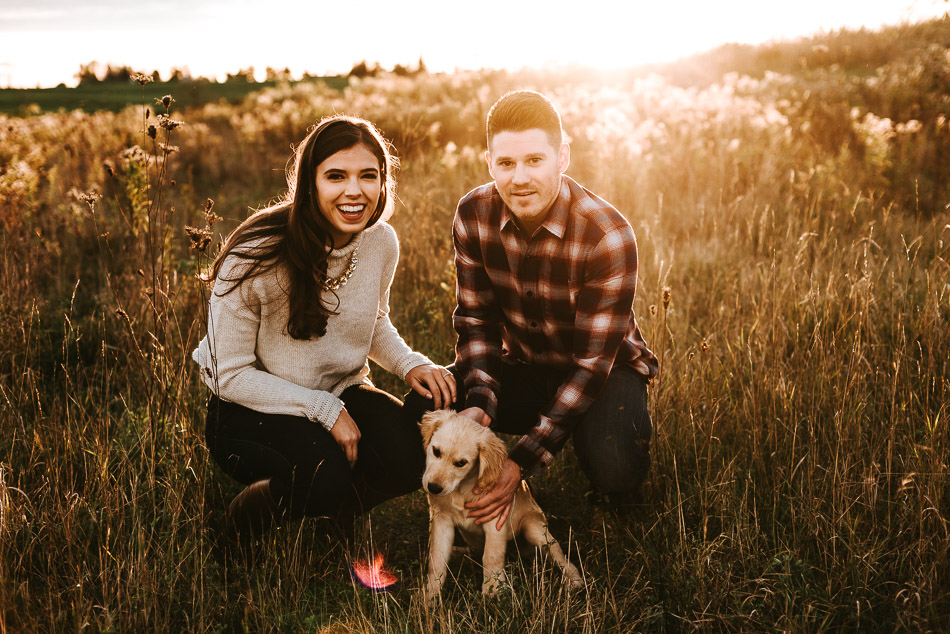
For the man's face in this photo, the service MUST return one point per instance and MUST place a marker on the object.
(527, 171)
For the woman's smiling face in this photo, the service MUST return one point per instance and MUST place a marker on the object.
(348, 188)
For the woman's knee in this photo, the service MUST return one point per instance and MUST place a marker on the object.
(321, 489)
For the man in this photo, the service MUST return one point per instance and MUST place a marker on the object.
(548, 345)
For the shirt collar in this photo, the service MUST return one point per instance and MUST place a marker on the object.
(558, 214)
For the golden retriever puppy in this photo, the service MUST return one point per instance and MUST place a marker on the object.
(460, 453)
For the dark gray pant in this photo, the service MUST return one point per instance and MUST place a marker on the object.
(611, 440)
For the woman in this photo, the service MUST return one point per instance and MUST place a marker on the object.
(300, 301)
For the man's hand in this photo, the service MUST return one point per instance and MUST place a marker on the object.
(478, 415)
(497, 501)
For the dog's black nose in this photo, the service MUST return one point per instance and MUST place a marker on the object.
(434, 488)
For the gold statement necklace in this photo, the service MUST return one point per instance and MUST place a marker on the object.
(338, 282)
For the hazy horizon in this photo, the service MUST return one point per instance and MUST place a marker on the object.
(45, 44)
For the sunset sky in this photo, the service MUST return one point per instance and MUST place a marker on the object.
(43, 42)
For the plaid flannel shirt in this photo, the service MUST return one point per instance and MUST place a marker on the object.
(561, 299)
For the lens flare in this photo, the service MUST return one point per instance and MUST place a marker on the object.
(374, 575)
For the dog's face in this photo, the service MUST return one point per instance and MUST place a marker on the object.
(455, 446)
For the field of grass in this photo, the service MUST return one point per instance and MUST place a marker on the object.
(794, 235)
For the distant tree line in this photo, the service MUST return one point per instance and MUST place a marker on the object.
(366, 70)
(96, 72)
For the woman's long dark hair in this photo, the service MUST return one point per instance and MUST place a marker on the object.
(293, 233)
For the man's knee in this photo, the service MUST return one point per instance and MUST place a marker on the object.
(618, 469)
(612, 441)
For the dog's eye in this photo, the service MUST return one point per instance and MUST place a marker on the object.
(460, 463)
(436, 452)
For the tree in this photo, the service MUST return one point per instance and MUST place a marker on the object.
(88, 73)
(245, 74)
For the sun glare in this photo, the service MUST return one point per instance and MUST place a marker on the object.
(212, 39)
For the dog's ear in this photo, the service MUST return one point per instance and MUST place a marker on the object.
(492, 453)
(430, 423)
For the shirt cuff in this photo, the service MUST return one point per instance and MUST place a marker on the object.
(530, 456)
(325, 409)
(484, 398)
(410, 362)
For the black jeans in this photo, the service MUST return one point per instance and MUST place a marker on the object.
(611, 440)
(309, 472)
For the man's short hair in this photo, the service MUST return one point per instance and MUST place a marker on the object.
(522, 110)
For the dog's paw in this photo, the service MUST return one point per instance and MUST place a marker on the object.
(431, 594)
(573, 580)
(494, 582)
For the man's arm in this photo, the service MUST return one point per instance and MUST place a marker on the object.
(477, 318)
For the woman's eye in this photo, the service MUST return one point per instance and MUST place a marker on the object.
(436, 453)
(460, 463)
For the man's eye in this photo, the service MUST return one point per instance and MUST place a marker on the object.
(436, 453)
(460, 463)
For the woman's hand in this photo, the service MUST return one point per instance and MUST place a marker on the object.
(347, 435)
(433, 381)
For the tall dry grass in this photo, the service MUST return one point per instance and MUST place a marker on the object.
(794, 243)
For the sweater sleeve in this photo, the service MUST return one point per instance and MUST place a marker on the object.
(229, 364)
(388, 348)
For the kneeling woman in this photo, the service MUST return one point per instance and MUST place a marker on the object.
(300, 301)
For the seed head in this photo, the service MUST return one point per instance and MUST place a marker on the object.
(152, 131)
(141, 79)
(166, 101)
(168, 123)
(667, 295)
(90, 198)
(109, 166)
(704, 346)
(200, 238)
(210, 216)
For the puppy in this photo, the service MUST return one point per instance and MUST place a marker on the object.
(460, 453)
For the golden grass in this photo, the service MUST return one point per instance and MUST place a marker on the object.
(794, 287)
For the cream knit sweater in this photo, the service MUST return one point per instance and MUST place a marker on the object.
(248, 357)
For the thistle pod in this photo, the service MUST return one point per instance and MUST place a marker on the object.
(168, 123)
(200, 238)
(152, 131)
